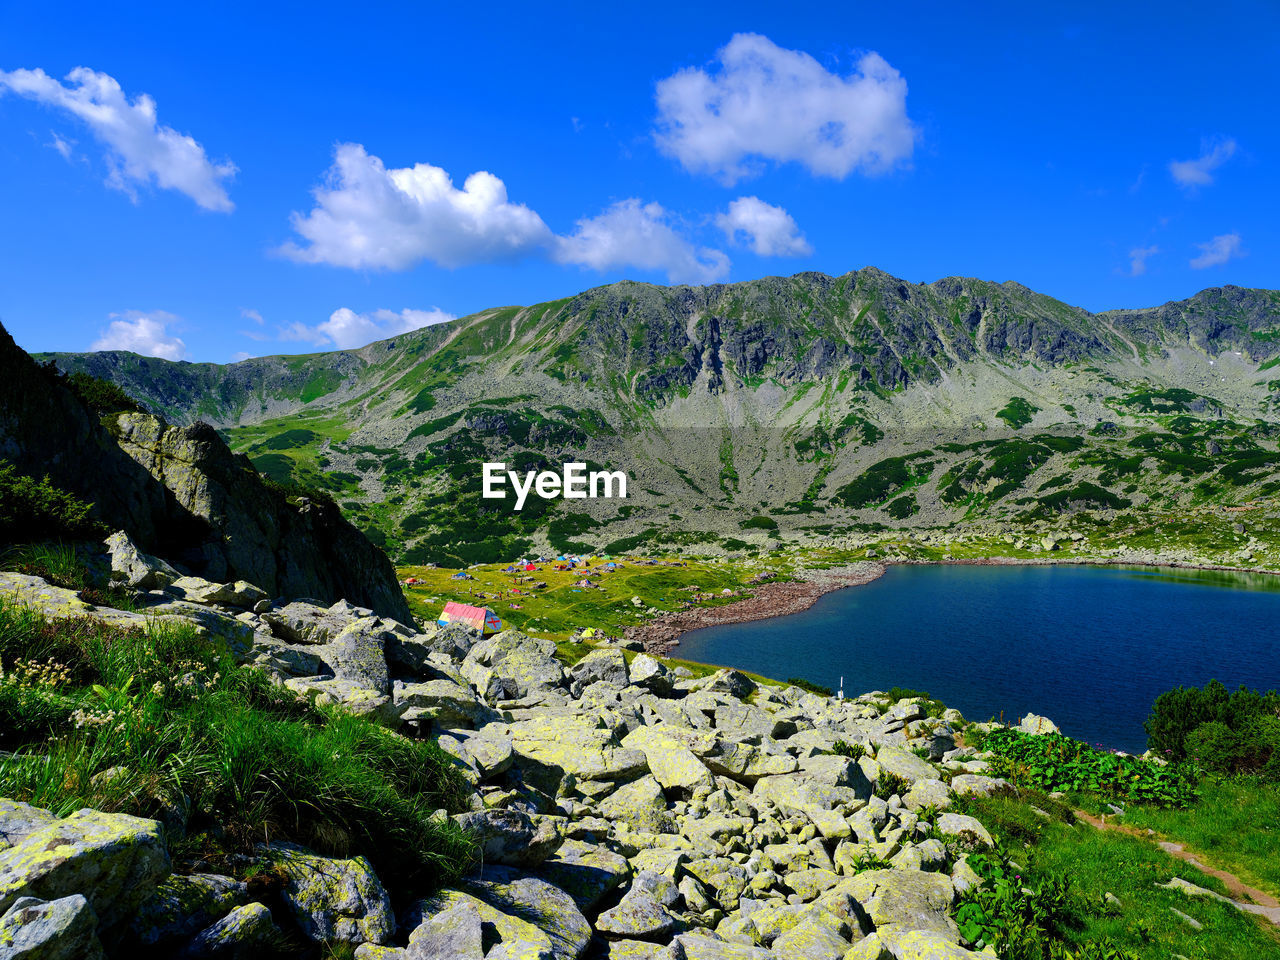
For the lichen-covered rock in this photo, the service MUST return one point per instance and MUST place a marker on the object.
(969, 831)
(359, 654)
(701, 946)
(114, 860)
(904, 900)
(747, 763)
(334, 899)
(638, 916)
(18, 820)
(585, 871)
(511, 837)
(521, 663)
(246, 933)
(606, 665)
(911, 945)
(347, 695)
(303, 622)
(134, 569)
(550, 908)
(641, 804)
(488, 752)
(446, 704)
(575, 745)
(651, 674)
(1032, 723)
(63, 929)
(183, 905)
(454, 934)
(905, 765)
(928, 793)
(811, 939)
(672, 763)
(976, 785)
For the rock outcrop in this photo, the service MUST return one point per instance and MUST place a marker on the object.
(183, 495)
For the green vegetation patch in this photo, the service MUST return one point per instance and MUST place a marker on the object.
(1018, 412)
(32, 509)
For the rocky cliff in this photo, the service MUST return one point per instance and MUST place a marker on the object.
(182, 494)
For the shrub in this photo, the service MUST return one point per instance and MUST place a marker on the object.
(1054, 762)
(760, 523)
(810, 686)
(1214, 746)
(854, 751)
(1178, 712)
(33, 509)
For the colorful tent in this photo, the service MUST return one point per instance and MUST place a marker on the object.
(477, 618)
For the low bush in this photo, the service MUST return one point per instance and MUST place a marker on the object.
(1054, 762)
(811, 687)
(1226, 732)
(34, 510)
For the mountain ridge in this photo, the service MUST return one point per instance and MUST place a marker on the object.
(765, 401)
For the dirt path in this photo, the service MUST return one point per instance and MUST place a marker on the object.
(1246, 898)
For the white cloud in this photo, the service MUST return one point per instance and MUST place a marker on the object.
(240, 356)
(1218, 251)
(635, 234)
(763, 102)
(1138, 259)
(367, 216)
(1191, 174)
(144, 333)
(61, 144)
(770, 231)
(253, 315)
(346, 329)
(139, 151)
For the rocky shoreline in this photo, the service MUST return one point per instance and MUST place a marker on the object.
(661, 635)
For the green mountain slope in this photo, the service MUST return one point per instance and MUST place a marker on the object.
(799, 406)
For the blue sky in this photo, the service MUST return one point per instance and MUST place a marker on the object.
(205, 184)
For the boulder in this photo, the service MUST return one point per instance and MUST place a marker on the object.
(905, 765)
(651, 674)
(702, 946)
(114, 860)
(638, 916)
(454, 934)
(511, 837)
(522, 663)
(519, 937)
(19, 820)
(912, 945)
(486, 751)
(641, 804)
(333, 899)
(358, 654)
(811, 939)
(246, 933)
(585, 871)
(349, 696)
(976, 785)
(672, 763)
(63, 929)
(928, 793)
(446, 704)
(552, 911)
(969, 831)
(134, 569)
(183, 905)
(1032, 723)
(558, 744)
(606, 665)
(303, 622)
(747, 763)
(898, 901)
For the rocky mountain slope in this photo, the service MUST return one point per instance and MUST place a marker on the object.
(184, 495)
(746, 413)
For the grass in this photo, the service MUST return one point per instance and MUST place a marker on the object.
(1235, 826)
(149, 721)
(1096, 863)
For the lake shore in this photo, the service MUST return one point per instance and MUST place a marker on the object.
(661, 635)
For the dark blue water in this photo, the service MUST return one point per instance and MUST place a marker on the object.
(1088, 647)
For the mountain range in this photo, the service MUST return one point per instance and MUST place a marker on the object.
(756, 413)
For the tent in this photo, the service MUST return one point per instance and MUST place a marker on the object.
(477, 618)
(589, 633)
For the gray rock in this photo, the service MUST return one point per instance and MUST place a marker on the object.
(114, 860)
(64, 929)
(245, 933)
(548, 907)
(303, 622)
(639, 916)
(19, 820)
(512, 838)
(183, 905)
(358, 654)
(454, 934)
(651, 674)
(585, 871)
(334, 899)
(446, 704)
(609, 666)
(134, 569)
